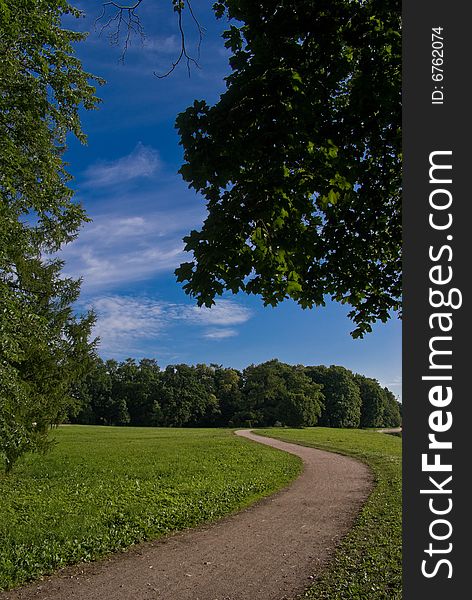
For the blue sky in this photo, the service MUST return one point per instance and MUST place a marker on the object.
(126, 177)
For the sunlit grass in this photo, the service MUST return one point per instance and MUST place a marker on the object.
(103, 489)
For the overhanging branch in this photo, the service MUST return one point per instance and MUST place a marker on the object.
(123, 19)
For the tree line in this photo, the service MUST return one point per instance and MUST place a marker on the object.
(269, 394)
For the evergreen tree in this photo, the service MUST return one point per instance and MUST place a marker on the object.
(44, 347)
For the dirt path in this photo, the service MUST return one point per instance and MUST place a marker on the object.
(390, 430)
(271, 551)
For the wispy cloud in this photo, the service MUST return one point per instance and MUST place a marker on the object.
(123, 319)
(121, 249)
(143, 161)
(166, 45)
(129, 324)
(219, 334)
(124, 267)
(223, 313)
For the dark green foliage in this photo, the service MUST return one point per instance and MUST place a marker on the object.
(228, 391)
(99, 402)
(214, 396)
(373, 402)
(300, 159)
(135, 386)
(380, 408)
(44, 347)
(342, 407)
(392, 414)
(187, 396)
(119, 394)
(277, 392)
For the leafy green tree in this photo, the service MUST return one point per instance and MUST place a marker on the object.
(392, 414)
(147, 394)
(300, 159)
(373, 401)
(206, 406)
(342, 398)
(299, 410)
(137, 385)
(187, 396)
(400, 410)
(90, 393)
(304, 401)
(44, 347)
(277, 392)
(228, 392)
(263, 390)
(98, 403)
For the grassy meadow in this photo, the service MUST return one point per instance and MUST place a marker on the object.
(102, 489)
(368, 563)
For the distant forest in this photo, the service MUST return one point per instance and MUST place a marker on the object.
(270, 394)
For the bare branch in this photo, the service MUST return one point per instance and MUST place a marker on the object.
(183, 48)
(125, 21)
(200, 29)
(123, 16)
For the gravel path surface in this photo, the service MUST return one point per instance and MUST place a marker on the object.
(270, 551)
(390, 430)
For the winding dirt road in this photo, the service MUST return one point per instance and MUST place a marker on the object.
(270, 551)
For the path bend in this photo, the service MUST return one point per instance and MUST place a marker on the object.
(271, 551)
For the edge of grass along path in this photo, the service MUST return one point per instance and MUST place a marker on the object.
(368, 563)
(103, 489)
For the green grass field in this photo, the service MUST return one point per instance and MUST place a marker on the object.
(103, 489)
(368, 563)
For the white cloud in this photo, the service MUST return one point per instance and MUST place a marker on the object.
(114, 249)
(161, 44)
(219, 334)
(124, 324)
(143, 161)
(122, 319)
(99, 271)
(223, 313)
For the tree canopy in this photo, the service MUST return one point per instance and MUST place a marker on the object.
(300, 159)
(43, 345)
(268, 394)
(279, 393)
(343, 401)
